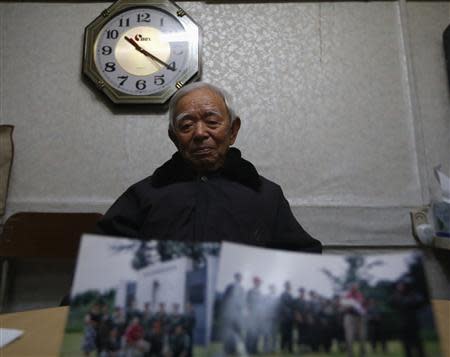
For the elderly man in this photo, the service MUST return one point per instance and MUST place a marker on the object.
(206, 191)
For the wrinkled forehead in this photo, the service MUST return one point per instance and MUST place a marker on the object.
(199, 101)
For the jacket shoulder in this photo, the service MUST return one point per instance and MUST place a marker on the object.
(270, 186)
(141, 187)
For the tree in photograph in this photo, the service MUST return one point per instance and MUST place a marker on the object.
(358, 271)
(147, 253)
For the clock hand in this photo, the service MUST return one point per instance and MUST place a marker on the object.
(134, 43)
(146, 53)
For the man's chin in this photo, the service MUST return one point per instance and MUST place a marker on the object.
(206, 163)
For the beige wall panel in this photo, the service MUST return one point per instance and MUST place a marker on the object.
(427, 21)
(322, 96)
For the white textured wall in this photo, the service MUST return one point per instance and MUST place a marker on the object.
(346, 105)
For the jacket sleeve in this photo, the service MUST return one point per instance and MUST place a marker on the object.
(124, 218)
(289, 234)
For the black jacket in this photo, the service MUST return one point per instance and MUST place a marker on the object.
(232, 204)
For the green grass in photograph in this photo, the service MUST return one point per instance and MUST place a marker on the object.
(71, 345)
(394, 348)
(432, 348)
(72, 348)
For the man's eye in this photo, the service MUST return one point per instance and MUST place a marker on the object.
(185, 126)
(212, 122)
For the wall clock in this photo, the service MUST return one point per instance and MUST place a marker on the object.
(142, 51)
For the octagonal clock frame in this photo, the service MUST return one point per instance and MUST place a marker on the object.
(142, 52)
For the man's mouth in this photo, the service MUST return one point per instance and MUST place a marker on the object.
(202, 151)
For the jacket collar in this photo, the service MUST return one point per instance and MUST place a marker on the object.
(235, 168)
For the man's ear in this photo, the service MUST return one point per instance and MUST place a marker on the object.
(235, 126)
(173, 137)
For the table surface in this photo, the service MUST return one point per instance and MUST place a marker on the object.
(44, 330)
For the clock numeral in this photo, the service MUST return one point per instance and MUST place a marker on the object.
(106, 50)
(172, 66)
(144, 17)
(110, 67)
(113, 34)
(123, 79)
(161, 22)
(124, 22)
(141, 84)
(159, 80)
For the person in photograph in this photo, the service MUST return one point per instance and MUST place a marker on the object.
(155, 337)
(174, 319)
(300, 317)
(179, 343)
(326, 324)
(90, 342)
(133, 311)
(135, 345)
(355, 324)
(270, 321)
(105, 326)
(162, 318)
(286, 319)
(337, 323)
(119, 320)
(375, 330)
(189, 321)
(313, 336)
(407, 302)
(147, 315)
(207, 191)
(255, 307)
(232, 310)
(112, 345)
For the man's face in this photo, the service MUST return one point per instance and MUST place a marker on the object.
(256, 283)
(202, 130)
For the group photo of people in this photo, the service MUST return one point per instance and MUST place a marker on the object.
(236, 304)
(133, 332)
(143, 307)
(348, 313)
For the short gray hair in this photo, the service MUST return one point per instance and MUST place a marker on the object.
(194, 86)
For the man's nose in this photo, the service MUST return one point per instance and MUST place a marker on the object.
(201, 131)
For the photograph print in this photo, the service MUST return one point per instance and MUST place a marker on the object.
(133, 298)
(277, 303)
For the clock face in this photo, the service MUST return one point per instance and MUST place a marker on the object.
(142, 51)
